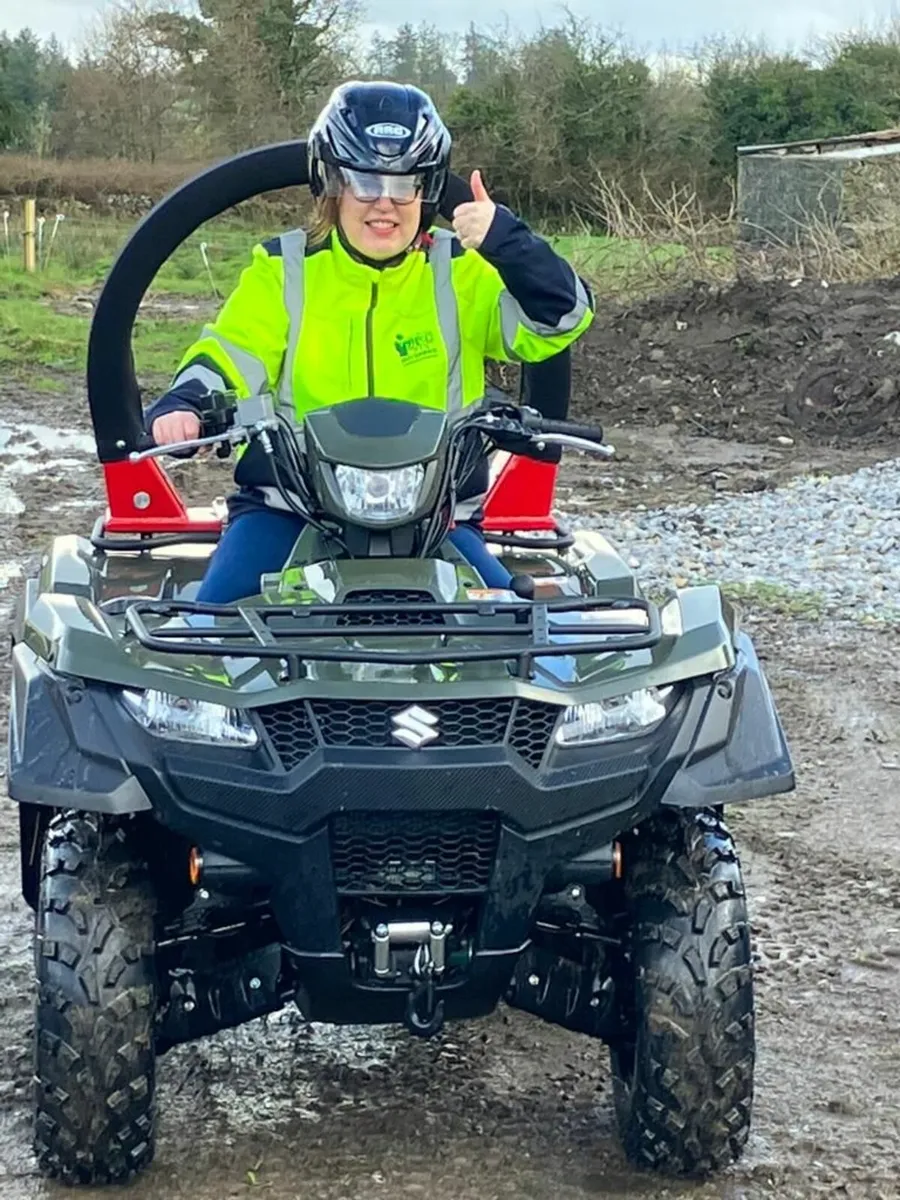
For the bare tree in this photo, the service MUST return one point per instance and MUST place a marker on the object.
(261, 65)
(121, 100)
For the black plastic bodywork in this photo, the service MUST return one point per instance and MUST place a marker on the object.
(380, 434)
(66, 743)
(550, 810)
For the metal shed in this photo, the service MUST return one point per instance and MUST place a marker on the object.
(788, 189)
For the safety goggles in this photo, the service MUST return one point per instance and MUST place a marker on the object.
(368, 187)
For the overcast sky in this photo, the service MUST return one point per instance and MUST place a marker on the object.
(651, 25)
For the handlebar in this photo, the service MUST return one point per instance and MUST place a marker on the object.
(231, 436)
(526, 425)
(507, 423)
(588, 433)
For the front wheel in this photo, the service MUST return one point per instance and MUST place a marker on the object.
(683, 1070)
(96, 1005)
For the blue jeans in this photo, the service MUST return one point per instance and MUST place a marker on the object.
(259, 542)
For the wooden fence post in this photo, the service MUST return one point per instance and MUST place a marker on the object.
(28, 235)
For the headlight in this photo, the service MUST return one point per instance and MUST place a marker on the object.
(615, 719)
(189, 720)
(380, 495)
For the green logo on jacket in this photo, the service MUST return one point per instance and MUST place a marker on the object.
(416, 348)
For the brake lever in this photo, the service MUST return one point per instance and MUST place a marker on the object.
(176, 447)
(576, 443)
(230, 437)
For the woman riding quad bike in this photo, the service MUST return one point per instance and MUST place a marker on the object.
(372, 301)
(336, 765)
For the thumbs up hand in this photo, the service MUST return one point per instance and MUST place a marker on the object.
(472, 221)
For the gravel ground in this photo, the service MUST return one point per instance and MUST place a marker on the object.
(832, 540)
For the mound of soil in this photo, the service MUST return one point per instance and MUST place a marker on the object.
(751, 361)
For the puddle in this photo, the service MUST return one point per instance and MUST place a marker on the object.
(10, 504)
(9, 571)
(25, 447)
(45, 437)
(27, 466)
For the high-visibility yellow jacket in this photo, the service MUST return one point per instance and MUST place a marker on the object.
(317, 326)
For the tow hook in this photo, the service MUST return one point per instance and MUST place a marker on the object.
(424, 1018)
(424, 1015)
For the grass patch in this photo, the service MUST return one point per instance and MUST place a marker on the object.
(85, 249)
(772, 598)
(33, 336)
(776, 598)
(633, 266)
(49, 385)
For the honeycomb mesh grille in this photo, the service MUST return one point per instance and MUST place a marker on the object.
(460, 722)
(379, 617)
(291, 730)
(532, 730)
(527, 728)
(399, 853)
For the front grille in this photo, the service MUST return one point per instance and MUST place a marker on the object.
(291, 730)
(379, 617)
(460, 722)
(297, 728)
(532, 730)
(399, 853)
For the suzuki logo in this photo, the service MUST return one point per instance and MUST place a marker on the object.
(414, 727)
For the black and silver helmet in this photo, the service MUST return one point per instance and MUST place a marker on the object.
(370, 132)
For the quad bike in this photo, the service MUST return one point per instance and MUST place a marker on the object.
(377, 790)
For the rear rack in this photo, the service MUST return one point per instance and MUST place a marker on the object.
(526, 638)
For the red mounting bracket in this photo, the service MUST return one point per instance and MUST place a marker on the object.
(141, 498)
(520, 498)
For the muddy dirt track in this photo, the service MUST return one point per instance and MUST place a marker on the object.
(507, 1106)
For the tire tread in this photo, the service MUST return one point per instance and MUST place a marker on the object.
(94, 1089)
(684, 1086)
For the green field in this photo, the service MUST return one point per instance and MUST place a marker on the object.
(45, 316)
(628, 266)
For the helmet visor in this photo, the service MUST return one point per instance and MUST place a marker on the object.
(368, 186)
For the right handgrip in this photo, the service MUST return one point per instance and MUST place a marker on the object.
(591, 433)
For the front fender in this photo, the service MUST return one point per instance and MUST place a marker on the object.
(61, 753)
(739, 751)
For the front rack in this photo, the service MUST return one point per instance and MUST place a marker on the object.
(528, 636)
